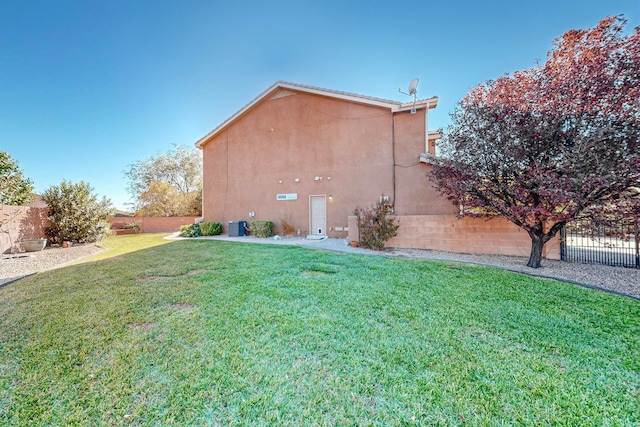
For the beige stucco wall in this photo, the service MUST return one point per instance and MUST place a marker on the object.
(462, 235)
(302, 136)
(415, 195)
(18, 223)
(150, 224)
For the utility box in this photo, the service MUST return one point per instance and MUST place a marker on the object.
(236, 228)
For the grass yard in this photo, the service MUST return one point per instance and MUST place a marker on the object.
(213, 333)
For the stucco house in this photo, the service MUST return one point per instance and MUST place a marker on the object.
(311, 156)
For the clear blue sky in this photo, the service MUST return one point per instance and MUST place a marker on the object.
(88, 87)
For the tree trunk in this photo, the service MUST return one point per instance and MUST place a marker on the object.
(538, 239)
(537, 243)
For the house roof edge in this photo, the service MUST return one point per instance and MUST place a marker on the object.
(394, 106)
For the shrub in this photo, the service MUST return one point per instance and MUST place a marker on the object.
(75, 214)
(211, 228)
(287, 228)
(262, 228)
(375, 226)
(133, 226)
(191, 230)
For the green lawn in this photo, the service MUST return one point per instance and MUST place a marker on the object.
(214, 333)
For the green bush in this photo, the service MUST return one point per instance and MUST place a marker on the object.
(262, 228)
(15, 189)
(133, 226)
(76, 214)
(191, 230)
(211, 228)
(375, 226)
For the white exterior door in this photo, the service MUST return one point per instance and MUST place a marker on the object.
(318, 215)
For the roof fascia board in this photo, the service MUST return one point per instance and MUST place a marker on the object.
(340, 95)
(378, 102)
(421, 103)
(239, 113)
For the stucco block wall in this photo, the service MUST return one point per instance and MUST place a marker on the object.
(20, 223)
(298, 137)
(462, 235)
(414, 192)
(154, 224)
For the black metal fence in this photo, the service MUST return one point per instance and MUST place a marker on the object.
(610, 242)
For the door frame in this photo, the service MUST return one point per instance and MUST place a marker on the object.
(311, 230)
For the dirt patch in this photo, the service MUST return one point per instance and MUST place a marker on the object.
(157, 278)
(153, 278)
(181, 306)
(192, 272)
(311, 273)
(160, 278)
(145, 327)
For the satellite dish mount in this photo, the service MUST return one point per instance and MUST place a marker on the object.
(413, 90)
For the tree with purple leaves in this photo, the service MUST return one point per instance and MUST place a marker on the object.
(544, 145)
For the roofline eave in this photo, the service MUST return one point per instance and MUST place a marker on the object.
(393, 106)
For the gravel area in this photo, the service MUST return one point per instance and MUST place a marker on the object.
(17, 266)
(612, 279)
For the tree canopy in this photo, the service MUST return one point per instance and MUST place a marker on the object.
(167, 184)
(15, 189)
(544, 145)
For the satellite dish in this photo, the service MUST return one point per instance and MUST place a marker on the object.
(413, 86)
(413, 90)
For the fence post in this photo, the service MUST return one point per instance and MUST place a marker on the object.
(637, 234)
(563, 243)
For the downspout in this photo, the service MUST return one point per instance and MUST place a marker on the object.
(202, 184)
(426, 129)
(226, 187)
(393, 151)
